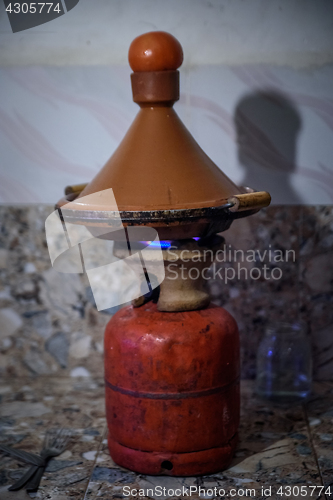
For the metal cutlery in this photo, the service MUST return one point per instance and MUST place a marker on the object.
(55, 443)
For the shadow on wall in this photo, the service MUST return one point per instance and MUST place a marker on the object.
(267, 126)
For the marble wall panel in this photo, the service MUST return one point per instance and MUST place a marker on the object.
(49, 322)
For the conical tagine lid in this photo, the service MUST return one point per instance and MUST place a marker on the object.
(158, 165)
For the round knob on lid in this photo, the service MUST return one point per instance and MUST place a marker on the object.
(155, 51)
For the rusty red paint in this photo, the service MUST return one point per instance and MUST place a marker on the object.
(151, 357)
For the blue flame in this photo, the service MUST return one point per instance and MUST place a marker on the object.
(163, 244)
(159, 244)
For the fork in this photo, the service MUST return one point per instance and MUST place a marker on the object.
(54, 445)
(25, 456)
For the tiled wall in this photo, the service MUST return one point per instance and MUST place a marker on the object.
(211, 32)
(49, 322)
(269, 127)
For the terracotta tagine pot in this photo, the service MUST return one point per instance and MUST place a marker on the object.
(171, 358)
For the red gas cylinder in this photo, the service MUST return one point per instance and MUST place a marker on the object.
(172, 389)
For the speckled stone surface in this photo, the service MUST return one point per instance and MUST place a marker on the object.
(279, 447)
(304, 291)
(49, 323)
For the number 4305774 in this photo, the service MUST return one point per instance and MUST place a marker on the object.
(308, 490)
(32, 8)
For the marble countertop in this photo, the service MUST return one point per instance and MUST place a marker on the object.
(278, 446)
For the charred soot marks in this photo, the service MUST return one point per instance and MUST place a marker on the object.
(205, 330)
(217, 219)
